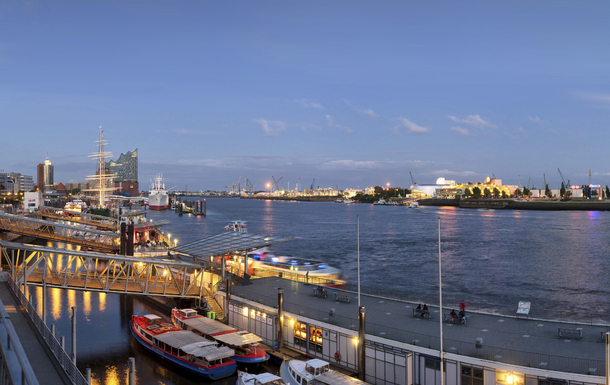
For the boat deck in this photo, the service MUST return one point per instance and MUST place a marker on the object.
(526, 342)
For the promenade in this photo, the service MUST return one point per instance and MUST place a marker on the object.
(506, 339)
(45, 366)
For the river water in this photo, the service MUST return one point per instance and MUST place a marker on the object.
(490, 258)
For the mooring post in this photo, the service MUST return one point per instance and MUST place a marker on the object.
(132, 371)
(361, 347)
(88, 376)
(280, 316)
(74, 335)
(204, 207)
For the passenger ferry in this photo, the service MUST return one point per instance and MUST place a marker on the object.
(245, 378)
(316, 371)
(244, 343)
(76, 205)
(183, 348)
(236, 226)
(305, 268)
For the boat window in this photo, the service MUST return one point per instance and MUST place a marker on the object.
(304, 381)
(298, 378)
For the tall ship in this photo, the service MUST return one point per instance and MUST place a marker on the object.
(184, 349)
(157, 197)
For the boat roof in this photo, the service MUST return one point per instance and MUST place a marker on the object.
(262, 378)
(316, 363)
(238, 339)
(208, 351)
(333, 377)
(207, 325)
(151, 316)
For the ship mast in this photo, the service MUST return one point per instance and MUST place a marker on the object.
(102, 180)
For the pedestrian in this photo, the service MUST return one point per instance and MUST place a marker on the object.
(462, 306)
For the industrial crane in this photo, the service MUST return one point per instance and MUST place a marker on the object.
(412, 180)
(314, 179)
(565, 184)
(277, 182)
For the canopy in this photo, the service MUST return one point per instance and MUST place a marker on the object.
(207, 325)
(238, 339)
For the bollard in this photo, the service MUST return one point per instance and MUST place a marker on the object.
(132, 371)
(88, 376)
(204, 207)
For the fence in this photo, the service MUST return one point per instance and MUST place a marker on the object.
(62, 357)
(493, 353)
(9, 374)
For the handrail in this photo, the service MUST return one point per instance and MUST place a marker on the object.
(27, 373)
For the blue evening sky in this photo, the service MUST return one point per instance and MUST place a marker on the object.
(351, 93)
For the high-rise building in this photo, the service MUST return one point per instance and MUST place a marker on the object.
(126, 170)
(47, 175)
(40, 176)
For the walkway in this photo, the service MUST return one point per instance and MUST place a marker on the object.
(44, 364)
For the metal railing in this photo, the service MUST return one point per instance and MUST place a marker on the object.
(493, 353)
(62, 357)
(11, 347)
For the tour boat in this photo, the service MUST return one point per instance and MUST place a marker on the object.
(304, 268)
(76, 205)
(245, 378)
(380, 202)
(316, 372)
(157, 197)
(414, 205)
(348, 201)
(185, 349)
(236, 226)
(244, 343)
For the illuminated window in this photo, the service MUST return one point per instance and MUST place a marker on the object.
(315, 338)
(509, 378)
(472, 375)
(300, 333)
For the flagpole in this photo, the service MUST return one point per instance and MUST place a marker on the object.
(440, 293)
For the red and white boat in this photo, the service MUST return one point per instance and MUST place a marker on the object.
(239, 226)
(183, 348)
(157, 197)
(244, 343)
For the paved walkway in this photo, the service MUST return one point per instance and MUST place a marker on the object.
(525, 342)
(46, 369)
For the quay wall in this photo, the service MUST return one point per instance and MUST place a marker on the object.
(300, 198)
(507, 204)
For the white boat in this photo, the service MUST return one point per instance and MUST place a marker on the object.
(239, 226)
(348, 201)
(76, 205)
(339, 200)
(316, 371)
(157, 197)
(245, 378)
(380, 202)
(414, 205)
(305, 268)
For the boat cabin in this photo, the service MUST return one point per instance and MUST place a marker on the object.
(264, 379)
(316, 367)
(187, 313)
(153, 319)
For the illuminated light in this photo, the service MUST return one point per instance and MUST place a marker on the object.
(252, 313)
(282, 318)
(164, 272)
(245, 311)
(356, 341)
(509, 379)
(291, 322)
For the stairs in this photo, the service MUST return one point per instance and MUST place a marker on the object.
(213, 304)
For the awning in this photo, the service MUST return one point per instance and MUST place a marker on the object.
(238, 339)
(207, 325)
(227, 242)
(209, 352)
(178, 339)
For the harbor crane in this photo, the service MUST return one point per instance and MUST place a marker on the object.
(277, 182)
(314, 179)
(565, 184)
(248, 187)
(412, 180)
(235, 186)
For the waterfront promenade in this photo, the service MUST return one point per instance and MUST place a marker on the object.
(44, 364)
(506, 339)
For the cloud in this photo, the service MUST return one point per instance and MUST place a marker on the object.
(309, 126)
(554, 132)
(346, 164)
(535, 120)
(331, 123)
(449, 172)
(306, 103)
(520, 129)
(461, 131)
(474, 120)
(271, 128)
(601, 100)
(184, 131)
(367, 112)
(511, 136)
(411, 127)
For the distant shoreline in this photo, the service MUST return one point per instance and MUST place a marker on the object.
(507, 204)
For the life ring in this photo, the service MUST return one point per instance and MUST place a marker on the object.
(337, 356)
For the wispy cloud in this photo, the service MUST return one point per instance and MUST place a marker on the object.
(306, 103)
(461, 131)
(449, 172)
(554, 132)
(363, 111)
(271, 128)
(347, 164)
(411, 127)
(309, 126)
(475, 121)
(331, 123)
(599, 99)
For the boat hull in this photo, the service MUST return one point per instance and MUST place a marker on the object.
(158, 202)
(250, 359)
(218, 372)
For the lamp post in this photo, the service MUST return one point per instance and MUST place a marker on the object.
(440, 294)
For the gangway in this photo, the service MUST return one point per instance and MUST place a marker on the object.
(99, 221)
(100, 240)
(87, 271)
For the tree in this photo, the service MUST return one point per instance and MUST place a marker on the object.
(467, 193)
(74, 191)
(549, 193)
(504, 194)
(476, 192)
(487, 193)
(568, 194)
(607, 191)
(526, 192)
(518, 193)
(378, 190)
(562, 190)
(496, 192)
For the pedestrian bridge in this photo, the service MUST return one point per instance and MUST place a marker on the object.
(97, 221)
(96, 239)
(88, 271)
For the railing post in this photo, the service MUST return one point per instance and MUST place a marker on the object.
(62, 342)
(132, 371)
(74, 334)
(88, 376)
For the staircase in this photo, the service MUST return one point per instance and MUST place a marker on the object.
(213, 304)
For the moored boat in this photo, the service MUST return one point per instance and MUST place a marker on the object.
(157, 197)
(245, 378)
(304, 268)
(244, 343)
(185, 349)
(76, 205)
(316, 371)
(380, 202)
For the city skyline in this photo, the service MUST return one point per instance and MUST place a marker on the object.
(353, 94)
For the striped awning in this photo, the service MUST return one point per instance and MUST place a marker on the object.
(227, 242)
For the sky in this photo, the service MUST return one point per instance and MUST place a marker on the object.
(349, 93)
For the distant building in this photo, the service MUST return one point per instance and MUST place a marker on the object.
(47, 175)
(126, 170)
(7, 184)
(40, 176)
(32, 200)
